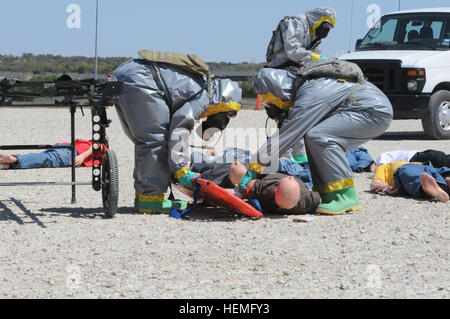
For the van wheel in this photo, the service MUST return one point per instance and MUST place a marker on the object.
(436, 122)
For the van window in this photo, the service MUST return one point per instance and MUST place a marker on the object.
(381, 33)
(417, 30)
(409, 32)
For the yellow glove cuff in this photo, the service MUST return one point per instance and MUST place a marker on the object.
(256, 167)
(315, 56)
(181, 173)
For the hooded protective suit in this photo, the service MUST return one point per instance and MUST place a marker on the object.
(158, 112)
(332, 116)
(293, 36)
(296, 34)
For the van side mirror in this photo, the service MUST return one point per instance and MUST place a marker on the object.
(358, 43)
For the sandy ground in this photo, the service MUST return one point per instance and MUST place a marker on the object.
(394, 248)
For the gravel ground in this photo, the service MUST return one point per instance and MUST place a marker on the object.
(394, 248)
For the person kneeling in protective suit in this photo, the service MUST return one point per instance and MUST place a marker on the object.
(333, 116)
(158, 108)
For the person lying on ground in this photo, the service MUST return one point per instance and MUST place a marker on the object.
(437, 158)
(360, 161)
(289, 196)
(223, 168)
(216, 167)
(414, 179)
(53, 158)
(283, 194)
(395, 156)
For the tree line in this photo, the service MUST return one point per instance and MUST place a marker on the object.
(45, 64)
(48, 63)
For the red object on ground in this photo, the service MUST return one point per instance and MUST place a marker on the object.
(221, 197)
(83, 146)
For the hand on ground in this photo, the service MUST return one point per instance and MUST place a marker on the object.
(7, 159)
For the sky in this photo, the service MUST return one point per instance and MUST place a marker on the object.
(217, 31)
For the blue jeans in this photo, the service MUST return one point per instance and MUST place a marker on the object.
(52, 158)
(407, 178)
(359, 159)
(298, 170)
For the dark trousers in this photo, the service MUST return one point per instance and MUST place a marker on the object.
(437, 158)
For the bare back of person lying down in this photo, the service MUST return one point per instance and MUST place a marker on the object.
(280, 193)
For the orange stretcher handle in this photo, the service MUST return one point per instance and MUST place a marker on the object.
(222, 197)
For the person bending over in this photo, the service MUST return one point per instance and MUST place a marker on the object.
(163, 96)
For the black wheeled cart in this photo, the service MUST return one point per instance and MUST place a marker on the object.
(73, 94)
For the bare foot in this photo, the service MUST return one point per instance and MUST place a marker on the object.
(373, 168)
(7, 159)
(4, 166)
(432, 189)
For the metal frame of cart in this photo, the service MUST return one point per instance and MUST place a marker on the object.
(96, 94)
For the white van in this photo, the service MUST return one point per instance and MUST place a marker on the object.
(407, 55)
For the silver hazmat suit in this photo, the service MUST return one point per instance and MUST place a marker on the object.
(280, 83)
(160, 134)
(297, 33)
(332, 116)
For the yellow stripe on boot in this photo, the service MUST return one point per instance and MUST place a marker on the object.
(335, 186)
(339, 202)
(157, 204)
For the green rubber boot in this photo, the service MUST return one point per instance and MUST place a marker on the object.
(339, 202)
(300, 159)
(156, 204)
(163, 207)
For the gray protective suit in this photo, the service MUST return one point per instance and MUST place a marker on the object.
(333, 118)
(290, 44)
(281, 84)
(160, 132)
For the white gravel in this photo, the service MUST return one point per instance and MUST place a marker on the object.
(394, 248)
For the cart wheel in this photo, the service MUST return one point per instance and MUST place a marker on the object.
(110, 183)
